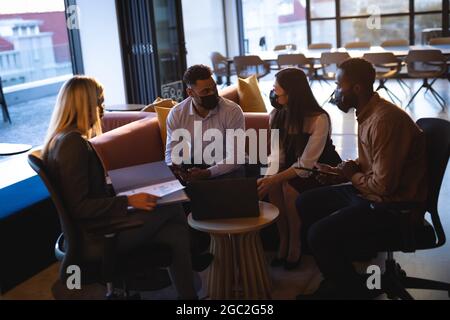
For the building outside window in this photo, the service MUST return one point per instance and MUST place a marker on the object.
(35, 60)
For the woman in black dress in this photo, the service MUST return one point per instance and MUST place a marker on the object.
(304, 140)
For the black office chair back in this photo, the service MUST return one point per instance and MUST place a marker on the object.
(66, 249)
(437, 132)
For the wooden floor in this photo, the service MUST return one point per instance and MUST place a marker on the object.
(433, 264)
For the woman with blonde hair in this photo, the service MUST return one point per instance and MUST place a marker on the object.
(75, 168)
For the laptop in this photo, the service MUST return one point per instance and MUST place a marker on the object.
(224, 199)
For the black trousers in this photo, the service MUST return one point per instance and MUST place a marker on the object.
(338, 224)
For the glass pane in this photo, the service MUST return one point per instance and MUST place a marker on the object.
(35, 61)
(363, 7)
(268, 23)
(323, 8)
(428, 5)
(323, 31)
(34, 44)
(206, 35)
(170, 65)
(427, 26)
(391, 28)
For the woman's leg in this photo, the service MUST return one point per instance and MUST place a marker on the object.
(293, 220)
(166, 225)
(175, 234)
(277, 199)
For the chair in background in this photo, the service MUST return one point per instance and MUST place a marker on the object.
(246, 66)
(330, 61)
(395, 43)
(5, 112)
(439, 41)
(111, 268)
(424, 236)
(389, 44)
(318, 46)
(318, 66)
(357, 45)
(289, 47)
(296, 60)
(221, 68)
(387, 67)
(427, 64)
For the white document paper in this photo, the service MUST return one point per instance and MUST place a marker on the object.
(160, 190)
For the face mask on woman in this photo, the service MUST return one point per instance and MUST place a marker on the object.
(274, 100)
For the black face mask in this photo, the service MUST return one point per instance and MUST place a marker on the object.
(344, 102)
(274, 100)
(210, 102)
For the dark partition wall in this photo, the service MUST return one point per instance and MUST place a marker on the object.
(152, 48)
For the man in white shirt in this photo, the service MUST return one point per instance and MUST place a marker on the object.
(205, 107)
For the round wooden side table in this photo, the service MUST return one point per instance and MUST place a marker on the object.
(240, 268)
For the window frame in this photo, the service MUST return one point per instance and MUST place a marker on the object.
(76, 51)
(338, 18)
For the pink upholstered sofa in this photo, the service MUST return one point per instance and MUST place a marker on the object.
(134, 138)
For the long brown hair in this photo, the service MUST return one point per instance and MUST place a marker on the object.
(290, 120)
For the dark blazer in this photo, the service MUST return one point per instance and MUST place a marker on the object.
(79, 177)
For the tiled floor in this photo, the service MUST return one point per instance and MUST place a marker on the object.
(433, 264)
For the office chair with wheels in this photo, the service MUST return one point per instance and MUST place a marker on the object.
(110, 269)
(426, 236)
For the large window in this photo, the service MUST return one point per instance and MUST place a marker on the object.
(34, 43)
(356, 29)
(35, 60)
(268, 23)
(205, 36)
(340, 21)
(364, 7)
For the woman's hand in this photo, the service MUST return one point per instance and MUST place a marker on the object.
(265, 185)
(328, 179)
(143, 201)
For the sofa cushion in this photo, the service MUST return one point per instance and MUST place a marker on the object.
(134, 144)
(258, 121)
(160, 103)
(230, 93)
(250, 98)
(163, 113)
(114, 120)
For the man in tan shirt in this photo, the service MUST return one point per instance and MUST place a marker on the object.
(341, 221)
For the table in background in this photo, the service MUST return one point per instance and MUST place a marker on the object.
(238, 255)
(12, 149)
